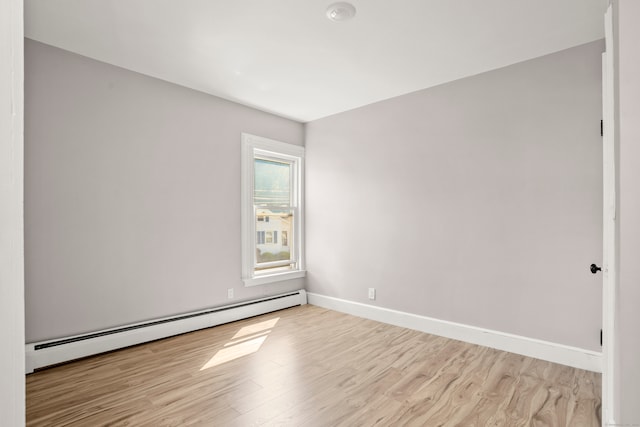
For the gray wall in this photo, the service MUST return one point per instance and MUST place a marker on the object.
(132, 185)
(478, 201)
(628, 366)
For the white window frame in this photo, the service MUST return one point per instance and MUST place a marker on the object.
(256, 146)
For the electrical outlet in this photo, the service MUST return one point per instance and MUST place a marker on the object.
(372, 293)
(230, 293)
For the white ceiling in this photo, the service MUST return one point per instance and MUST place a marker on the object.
(286, 57)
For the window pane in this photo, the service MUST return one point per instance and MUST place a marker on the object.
(268, 247)
(272, 183)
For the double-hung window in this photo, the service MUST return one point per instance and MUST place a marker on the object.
(272, 210)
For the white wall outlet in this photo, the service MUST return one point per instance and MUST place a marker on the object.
(230, 293)
(372, 293)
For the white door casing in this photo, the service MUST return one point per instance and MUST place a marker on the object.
(609, 280)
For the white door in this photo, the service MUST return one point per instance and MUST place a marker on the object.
(609, 225)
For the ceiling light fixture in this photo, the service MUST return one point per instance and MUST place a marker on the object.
(341, 11)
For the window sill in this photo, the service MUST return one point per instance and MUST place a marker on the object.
(272, 278)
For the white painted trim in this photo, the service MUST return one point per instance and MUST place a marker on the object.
(609, 245)
(65, 352)
(303, 297)
(278, 148)
(12, 388)
(271, 278)
(252, 145)
(552, 352)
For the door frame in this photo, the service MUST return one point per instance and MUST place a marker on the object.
(12, 356)
(609, 240)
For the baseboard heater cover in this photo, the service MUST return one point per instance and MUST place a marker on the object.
(52, 352)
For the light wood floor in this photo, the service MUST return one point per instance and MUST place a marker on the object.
(308, 366)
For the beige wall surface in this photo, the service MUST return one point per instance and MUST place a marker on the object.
(478, 201)
(627, 34)
(132, 185)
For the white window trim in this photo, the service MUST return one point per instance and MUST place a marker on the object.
(252, 145)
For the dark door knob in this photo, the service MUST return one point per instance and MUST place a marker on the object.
(594, 268)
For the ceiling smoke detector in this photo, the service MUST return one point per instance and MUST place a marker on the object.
(341, 11)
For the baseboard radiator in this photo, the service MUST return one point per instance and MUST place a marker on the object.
(47, 353)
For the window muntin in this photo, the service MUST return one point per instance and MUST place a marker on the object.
(272, 210)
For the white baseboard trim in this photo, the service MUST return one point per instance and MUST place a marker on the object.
(552, 352)
(41, 354)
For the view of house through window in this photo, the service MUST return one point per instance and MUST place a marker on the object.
(272, 211)
(274, 214)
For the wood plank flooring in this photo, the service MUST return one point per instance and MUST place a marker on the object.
(308, 366)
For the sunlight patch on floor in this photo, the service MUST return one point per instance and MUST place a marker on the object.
(246, 341)
(256, 327)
